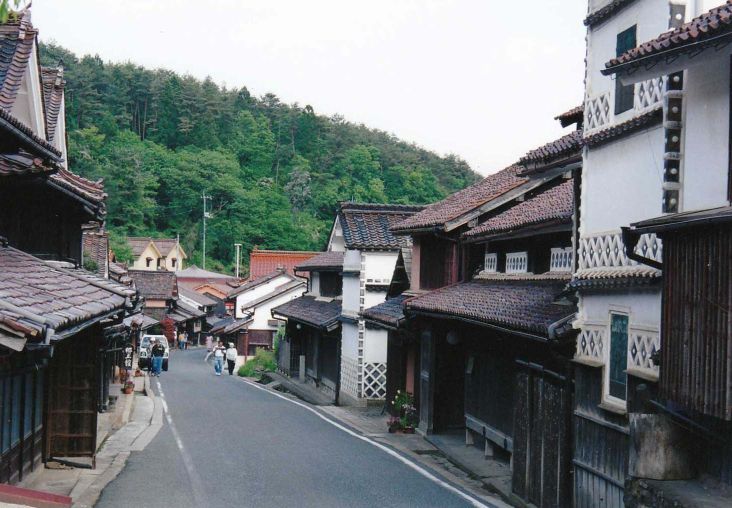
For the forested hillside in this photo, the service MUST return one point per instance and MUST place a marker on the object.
(275, 172)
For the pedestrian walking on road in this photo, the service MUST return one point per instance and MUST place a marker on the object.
(158, 350)
(219, 353)
(231, 355)
(181, 340)
(185, 340)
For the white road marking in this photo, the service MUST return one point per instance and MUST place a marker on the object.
(196, 482)
(476, 503)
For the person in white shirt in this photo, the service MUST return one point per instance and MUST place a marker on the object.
(231, 355)
(219, 352)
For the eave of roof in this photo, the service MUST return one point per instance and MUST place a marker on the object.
(683, 220)
(605, 12)
(311, 311)
(710, 29)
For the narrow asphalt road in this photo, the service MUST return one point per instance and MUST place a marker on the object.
(227, 443)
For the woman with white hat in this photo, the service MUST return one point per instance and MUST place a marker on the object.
(231, 355)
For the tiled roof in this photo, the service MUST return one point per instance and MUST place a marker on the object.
(324, 261)
(606, 11)
(96, 248)
(518, 305)
(562, 276)
(165, 245)
(53, 92)
(368, 226)
(280, 290)
(706, 27)
(194, 272)
(620, 278)
(463, 201)
(258, 282)
(313, 311)
(574, 115)
(197, 297)
(23, 163)
(16, 45)
(6, 119)
(566, 147)
(138, 244)
(155, 285)
(635, 124)
(91, 192)
(183, 308)
(263, 262)
(555, 204)
(229, 325)
(61, 297)
(388, 313)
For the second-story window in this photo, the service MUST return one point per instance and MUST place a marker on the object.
(616, 377)
(173, 262)
(624, 93)
(147, 262)
(159, 262)
(331, 284)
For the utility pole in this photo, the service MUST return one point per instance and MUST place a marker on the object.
(238, 257)
(206, 215)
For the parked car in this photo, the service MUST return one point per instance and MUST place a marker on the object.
(145, 353)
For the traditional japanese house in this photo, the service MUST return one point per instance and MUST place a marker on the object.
(362, 233)
(495, 348)
(158, 288)
(313, 328)
(59, 325)
(679, 404)
(253, 303)
(635, 167)
(263, 262)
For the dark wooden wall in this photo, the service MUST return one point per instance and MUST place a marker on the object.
(600, 445)
(696, 350)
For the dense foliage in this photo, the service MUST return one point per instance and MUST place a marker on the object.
(275, 172)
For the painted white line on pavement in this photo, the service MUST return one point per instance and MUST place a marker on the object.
(476, 503)
(196, 482)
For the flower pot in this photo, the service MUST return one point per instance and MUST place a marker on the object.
(408, 430)
(127, 390)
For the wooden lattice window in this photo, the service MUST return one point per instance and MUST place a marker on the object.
(617, 379)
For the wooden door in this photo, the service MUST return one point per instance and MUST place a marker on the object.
(72, 397)
(542, 438)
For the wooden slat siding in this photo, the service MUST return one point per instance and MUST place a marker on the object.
(600, 445)
(696, 348)
(521, 435)
(535, 439)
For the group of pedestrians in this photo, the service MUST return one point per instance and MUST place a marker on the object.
(220, 353)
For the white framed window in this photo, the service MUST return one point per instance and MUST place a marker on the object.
(517, 262)
(561, 259)
(491, 262)
(615, 385)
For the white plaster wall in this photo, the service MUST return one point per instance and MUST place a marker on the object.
(28, 106)
(315, 283)
(373, 298)
(336, 243)
(263, 313)
(141, 262)
(349, 340)
(374, 346)
(644, 307)
(651, 18)
(622, 182)
(351, 296)
(352, 260)
(379, 266)
(706, 135)
(259, 291)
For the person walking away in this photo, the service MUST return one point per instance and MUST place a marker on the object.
(209, 347)
(158, 350)
(181, 340)
(185, 341)
(231, 355)
(219, 352)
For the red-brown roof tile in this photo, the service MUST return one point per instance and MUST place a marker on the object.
(263, 262)
(16, 45)
(550, 205)
(23, 163)
(463, 201)
(559, 151)
(80, 187)
(708, 26)
(53, 93)
(574, 115)
(635, 124)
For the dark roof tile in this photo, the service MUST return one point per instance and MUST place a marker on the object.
(520, 305)
(560, 150)
(368, 226)
(606, 11)
(390, 313)
(638, 123)
(324, 261)
(318, 313)
(155, 284)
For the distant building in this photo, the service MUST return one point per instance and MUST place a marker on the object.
(156, 253)
(264, 262)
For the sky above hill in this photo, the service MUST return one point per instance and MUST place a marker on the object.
(479, 78)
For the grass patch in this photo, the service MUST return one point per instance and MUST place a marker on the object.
(263, 361)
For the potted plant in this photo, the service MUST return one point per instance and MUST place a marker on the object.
(128, 387)
(406, 413)
(393, 424)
